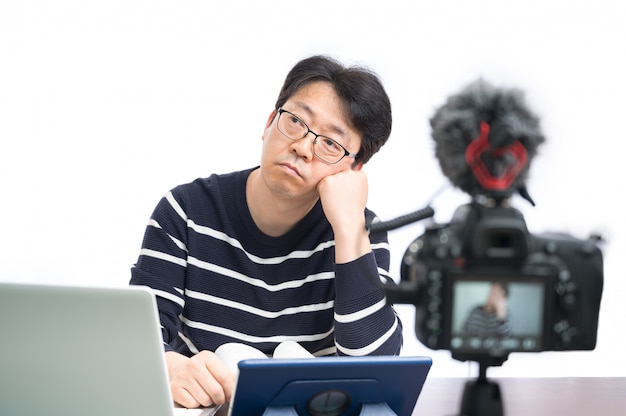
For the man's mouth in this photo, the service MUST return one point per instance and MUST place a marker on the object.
(290, 168)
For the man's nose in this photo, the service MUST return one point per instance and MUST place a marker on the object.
(304, 146)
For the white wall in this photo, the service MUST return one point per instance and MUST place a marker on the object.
(105, 105)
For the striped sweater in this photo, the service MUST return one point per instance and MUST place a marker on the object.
(482, 323)
(219, 279)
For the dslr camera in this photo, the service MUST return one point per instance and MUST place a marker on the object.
(553, 286)
(483, 286)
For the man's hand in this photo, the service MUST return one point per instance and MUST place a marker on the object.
(501, 308)
(344, 196)
(200, 381)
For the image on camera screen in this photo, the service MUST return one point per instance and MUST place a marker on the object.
(491, 315)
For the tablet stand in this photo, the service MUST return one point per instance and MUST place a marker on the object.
(280, 411)
(316, 398)
(367, 409)
(378, 409)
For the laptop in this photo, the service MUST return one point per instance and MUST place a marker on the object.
(82, 351)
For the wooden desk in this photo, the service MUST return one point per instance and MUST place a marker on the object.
(532, 396)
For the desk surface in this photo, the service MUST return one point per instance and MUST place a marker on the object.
(532, 396)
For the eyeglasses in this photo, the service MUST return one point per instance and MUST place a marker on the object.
(327, 149)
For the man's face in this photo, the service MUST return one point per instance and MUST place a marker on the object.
(497, 294)
(290, 168)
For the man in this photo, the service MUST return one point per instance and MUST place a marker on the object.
(281, 251)
(491, 318)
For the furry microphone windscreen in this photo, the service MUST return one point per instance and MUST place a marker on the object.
(457, 123)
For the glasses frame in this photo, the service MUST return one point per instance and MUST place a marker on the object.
(346, 152)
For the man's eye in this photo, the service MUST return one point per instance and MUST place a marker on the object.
(296, 122)
(330, 144)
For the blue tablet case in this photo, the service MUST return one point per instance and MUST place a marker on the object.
(330, 386)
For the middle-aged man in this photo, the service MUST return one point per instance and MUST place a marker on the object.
(279, 251)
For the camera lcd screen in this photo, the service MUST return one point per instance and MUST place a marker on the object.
(491, 315)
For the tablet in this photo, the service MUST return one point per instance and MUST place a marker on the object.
(329, 386)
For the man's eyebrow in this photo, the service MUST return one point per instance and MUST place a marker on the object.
(307, 109)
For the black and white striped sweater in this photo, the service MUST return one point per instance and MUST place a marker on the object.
(219, 279)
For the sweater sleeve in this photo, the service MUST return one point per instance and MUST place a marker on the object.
(162, 263)
(364, 323)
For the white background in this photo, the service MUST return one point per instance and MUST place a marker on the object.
(107, 104)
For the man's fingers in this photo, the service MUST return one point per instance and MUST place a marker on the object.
(221, 374)
(186, 398)
(194, 394)
(204, 381)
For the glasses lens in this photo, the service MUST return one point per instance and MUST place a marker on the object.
(291, 126)
(328, 149)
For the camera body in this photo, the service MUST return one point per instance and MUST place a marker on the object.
(553, 286)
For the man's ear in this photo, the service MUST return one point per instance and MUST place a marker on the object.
(270, 119)
(268, 124)
(358, 166)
